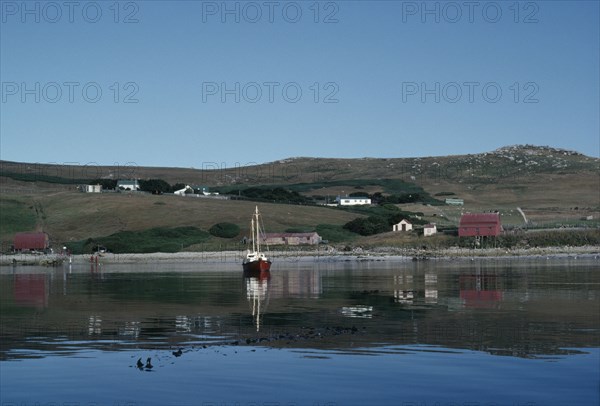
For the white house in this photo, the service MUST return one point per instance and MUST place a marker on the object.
(182, 192)
(128, 184)
(404, 225)
(352, 201)
(429, 229)
(452, 201)
(92, 188)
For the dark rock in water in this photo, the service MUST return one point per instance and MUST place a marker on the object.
(140, 364)
(149, 364)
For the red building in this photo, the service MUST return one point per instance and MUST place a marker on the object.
(31, 241)
(479, 225)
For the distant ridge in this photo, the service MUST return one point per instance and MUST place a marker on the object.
(536, 149)
(508, 164)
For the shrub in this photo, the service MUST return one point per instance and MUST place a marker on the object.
(154, 186)
(334, 233)
(368, 226)
(224, 230)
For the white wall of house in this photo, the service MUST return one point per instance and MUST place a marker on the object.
(292, 238)
(452, 201)
(93, 188)
(352, 201)
(429, 230)
(128, 184)
(402, 226)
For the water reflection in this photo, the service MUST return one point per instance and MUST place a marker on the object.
(257, 293)
(480, 290)
(519, 309)
(31, 290)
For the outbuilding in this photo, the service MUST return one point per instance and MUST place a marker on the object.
(404, 225)
(429, 229)
(292, 238)
(92, 188)
(31, 241)
(479, 225)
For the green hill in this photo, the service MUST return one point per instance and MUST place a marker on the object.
(553, 187)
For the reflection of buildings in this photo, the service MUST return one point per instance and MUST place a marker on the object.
(131, 329)
(480, 290)
(403, 288)
(95, 325)
(31, 290)
(183, 324)
(431, 291)
(408, 288)
(301, 284)
(359, 311)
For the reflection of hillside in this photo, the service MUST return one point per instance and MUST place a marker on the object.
(494, 308)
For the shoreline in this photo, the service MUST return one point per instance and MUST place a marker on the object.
(357, 255)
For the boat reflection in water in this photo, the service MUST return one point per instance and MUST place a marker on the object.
(257, 292)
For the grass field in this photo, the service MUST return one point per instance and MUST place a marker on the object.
(75, 216)
(16, 215)
(554, 188)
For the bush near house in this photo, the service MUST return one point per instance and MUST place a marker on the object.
(368, 226)
(276, 195)
(155, 186)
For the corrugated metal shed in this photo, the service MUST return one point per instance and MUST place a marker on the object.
(31, 241)
(479, 225)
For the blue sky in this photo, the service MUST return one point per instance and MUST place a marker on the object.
(182, 83)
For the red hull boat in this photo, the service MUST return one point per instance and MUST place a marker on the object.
(261, 265)
(256, 261)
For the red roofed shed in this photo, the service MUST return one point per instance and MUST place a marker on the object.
(31, 241)
(479, 225)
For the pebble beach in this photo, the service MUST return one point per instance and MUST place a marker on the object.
(378, 254)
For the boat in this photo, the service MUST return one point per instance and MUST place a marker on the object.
(256, 260)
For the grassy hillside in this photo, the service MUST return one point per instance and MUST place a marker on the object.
(553, 187)
(74, 216)
(16, 215)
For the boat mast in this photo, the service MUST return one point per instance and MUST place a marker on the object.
(257, 231)
(252, 230)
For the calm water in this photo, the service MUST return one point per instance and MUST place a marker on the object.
(502, 332)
